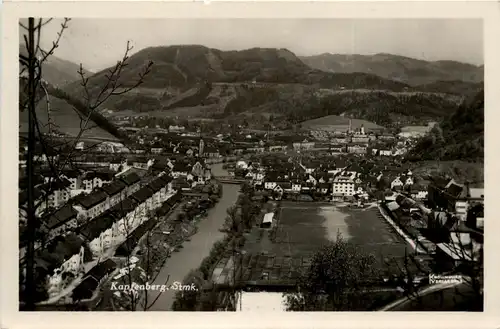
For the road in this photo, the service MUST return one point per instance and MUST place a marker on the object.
(194, 251)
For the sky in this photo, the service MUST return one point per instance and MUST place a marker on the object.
(99, 43)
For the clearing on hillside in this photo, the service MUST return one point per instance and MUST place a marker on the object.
(337, 122)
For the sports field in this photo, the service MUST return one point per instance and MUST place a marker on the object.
(302, 228)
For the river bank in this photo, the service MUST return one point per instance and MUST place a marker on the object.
(193, 251)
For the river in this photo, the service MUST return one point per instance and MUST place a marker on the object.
(194, 251)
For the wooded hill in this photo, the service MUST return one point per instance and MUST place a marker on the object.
(460, 136)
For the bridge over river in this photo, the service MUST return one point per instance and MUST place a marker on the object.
(229, 179)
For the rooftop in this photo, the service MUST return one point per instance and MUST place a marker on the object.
(124, 207)
(96, 226)
(103, 175)
(142, 194)
(60, 216)
(92, 199)
(130, 178)
(114, 187)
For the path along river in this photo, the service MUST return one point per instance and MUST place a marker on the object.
(194, 251)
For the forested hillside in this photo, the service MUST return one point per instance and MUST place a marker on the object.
(405, 69)
(459, 136)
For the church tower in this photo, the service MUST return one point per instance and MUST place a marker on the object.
(201, 147)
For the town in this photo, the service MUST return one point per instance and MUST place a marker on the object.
(96, 219)
(191, 178)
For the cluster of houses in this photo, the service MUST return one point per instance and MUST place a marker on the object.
(458, 199)
(88, 214)
(353, 141)
(449, 224)
(335, 178)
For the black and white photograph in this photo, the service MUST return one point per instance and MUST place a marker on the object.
(251, 164)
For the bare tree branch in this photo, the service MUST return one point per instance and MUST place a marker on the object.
(55, 44)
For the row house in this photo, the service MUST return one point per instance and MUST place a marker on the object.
(278, 148)
(63, 256)
(95, 179)
(418, 192)
(337, 148)
(98, 233)
(381, 152)
(114, 225)
(74, 177)
(307, 187)
(305, 145)
(116, 191)
(256, 149)
(162, 166)
(180, 169)
(144, 199)
(255, 175)
(401, 182)
(272, 178)
(363, 139)
(385, 152)
(324, 177)
(211, 152)
(54, 194)
(142, 163)
(111, 227)
(118, 164)
(284, 187)
(296, 186)
(341, 140)
(156, 150)
(161, 188)
(132, 180)
(357, 148)
(181, 184)
(60, 222)
(127, 219)
(91, 205)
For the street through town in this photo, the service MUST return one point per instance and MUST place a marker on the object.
(194, 251)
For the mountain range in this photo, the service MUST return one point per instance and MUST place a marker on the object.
(194, 81)
(58, 72)
(408, 70)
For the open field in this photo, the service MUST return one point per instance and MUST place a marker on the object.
(303, 228)
(337, 122)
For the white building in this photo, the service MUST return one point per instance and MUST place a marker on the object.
(343, 184)
(260, 302)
